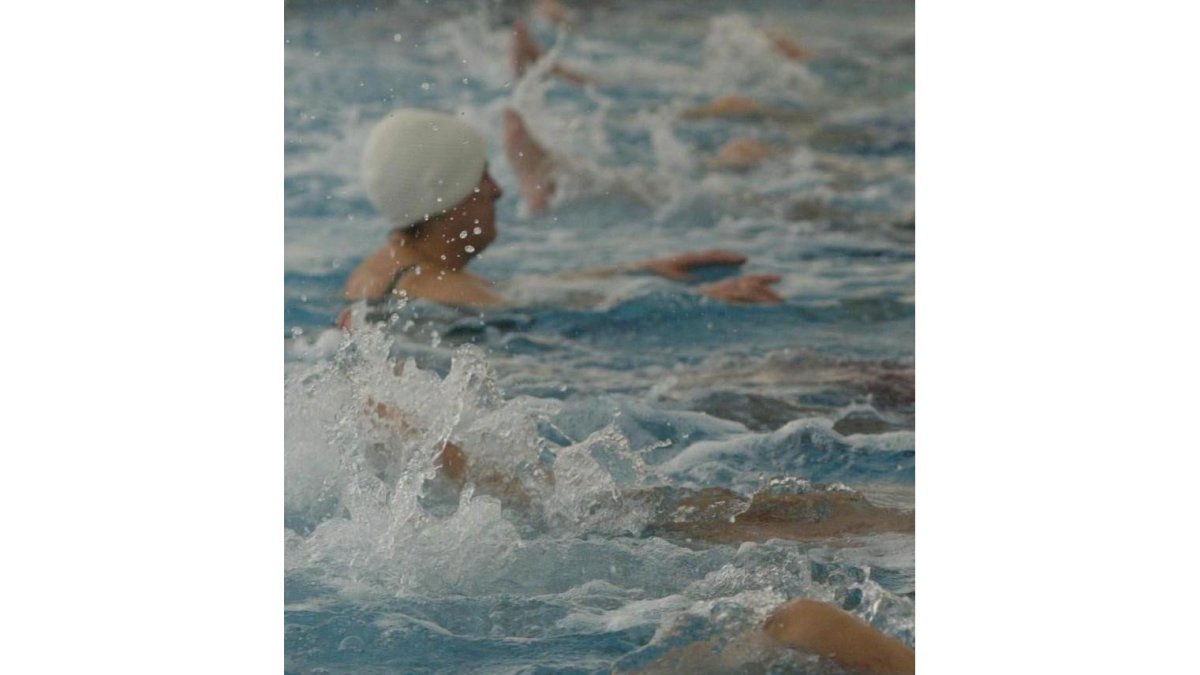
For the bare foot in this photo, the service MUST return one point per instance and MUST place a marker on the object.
(530, 162)
(741, 153)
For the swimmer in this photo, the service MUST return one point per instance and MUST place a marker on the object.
(553, 12)
(427, 173)
(720, 516)
(788, 509)
(806, 626)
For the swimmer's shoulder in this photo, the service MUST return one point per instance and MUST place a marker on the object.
(375, 276)
(455, 288)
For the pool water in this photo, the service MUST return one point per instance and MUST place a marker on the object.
(614, 385)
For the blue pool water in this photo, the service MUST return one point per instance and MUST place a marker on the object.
(618, 384)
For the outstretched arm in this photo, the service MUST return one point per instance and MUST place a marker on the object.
(823, 629)
(745, 289)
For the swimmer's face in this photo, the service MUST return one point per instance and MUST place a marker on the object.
(476, 215)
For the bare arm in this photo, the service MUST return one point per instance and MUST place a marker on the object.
(530, 161)
(745, 289)
(823, 629)
(375, 277)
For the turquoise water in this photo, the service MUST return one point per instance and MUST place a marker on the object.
(646, 384)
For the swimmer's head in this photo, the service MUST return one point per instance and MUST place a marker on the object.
(419, 164)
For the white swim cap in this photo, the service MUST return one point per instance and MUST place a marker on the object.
(421, 162)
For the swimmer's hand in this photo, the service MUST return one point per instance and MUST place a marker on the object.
(679, 267)
(749, 289)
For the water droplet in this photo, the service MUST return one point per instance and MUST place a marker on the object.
(317, 53)
(478, 230)
(425, 86)
(466, 81)
(462, 235)
(469, 249)
(396, 37)
(439, 200)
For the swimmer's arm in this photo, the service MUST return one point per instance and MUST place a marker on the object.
(674, 267)
(823, 629)
(376, 276)
(455, 289)
(530, 161)
(745, 289)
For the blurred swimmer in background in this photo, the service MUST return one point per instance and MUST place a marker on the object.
(742, 152)
(427, 174)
